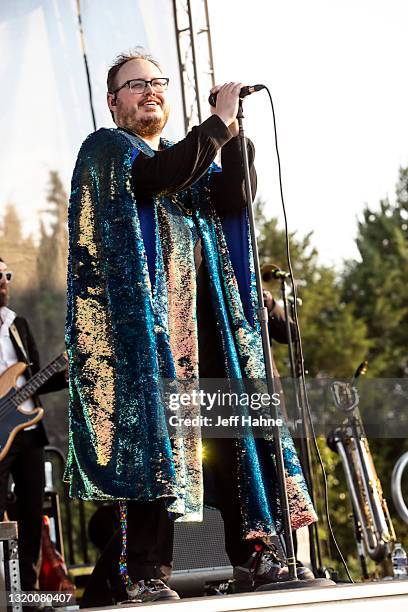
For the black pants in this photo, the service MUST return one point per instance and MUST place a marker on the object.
(25, 462)
(150, 530)
(149, 546)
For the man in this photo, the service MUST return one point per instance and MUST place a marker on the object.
(160, 285)
(25, 458)
(277, 324)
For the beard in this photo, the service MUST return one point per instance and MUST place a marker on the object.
(3, 299)
(148, 126)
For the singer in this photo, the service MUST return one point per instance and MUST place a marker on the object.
(161, 285)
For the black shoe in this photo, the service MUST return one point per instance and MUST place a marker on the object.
(152, 589)
(263, 567)
(303, 572)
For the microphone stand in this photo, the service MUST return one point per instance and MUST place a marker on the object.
(262, 312)
(301, 427)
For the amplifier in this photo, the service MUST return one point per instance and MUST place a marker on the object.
(199, 545)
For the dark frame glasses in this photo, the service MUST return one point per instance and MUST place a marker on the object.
(138, 86)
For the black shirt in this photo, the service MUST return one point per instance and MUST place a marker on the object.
(178, 167)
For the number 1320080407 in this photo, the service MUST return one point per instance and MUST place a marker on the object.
(34, 598)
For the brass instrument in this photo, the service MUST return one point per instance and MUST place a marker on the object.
(396, 488)
(374, 529)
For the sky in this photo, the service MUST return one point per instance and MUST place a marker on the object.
(336, 70)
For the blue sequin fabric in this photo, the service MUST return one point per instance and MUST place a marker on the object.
(131, 319)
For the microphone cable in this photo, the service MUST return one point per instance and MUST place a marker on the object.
(302, 365)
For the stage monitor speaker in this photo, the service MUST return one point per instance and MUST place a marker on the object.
(200, 559)
(199, 555)
(200, 545)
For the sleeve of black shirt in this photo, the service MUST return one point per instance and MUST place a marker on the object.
(180, 166)
(277, 325)
(228, 186)
(57, 382)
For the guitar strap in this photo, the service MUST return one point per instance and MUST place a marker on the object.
(15, 333)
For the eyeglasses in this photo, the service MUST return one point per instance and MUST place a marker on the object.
(6, 275)
(137, 86)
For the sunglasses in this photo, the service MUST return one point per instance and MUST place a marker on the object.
(6, 275)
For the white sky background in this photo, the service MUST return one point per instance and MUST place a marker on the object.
(337, 70)
(44, 106)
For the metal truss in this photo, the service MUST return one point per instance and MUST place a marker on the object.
(195, 57)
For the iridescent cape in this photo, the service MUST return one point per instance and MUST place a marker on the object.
(131, 320)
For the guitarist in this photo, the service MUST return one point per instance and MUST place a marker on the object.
(25, 459)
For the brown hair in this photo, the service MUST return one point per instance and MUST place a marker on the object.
(123, 58)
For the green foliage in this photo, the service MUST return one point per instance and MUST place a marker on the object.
(334, 341)
(377, 285)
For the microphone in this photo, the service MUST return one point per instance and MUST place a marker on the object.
(245, 91)
(270, 271)
(277, 273)
(291, 300)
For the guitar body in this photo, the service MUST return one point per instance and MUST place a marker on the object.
(12, 418)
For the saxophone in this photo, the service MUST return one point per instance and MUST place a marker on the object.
(373, 526)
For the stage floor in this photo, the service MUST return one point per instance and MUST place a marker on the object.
(371, 597)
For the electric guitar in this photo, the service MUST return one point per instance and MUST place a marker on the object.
(12, 418)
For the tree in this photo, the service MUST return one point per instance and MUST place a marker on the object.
(50, 303)
(377, 287)
(52, 254)
(377, 283)
(334, 342)
(19, 253)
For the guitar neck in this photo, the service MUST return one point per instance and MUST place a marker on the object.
(36, 381)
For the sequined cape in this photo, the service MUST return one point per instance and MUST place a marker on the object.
(131, 319)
